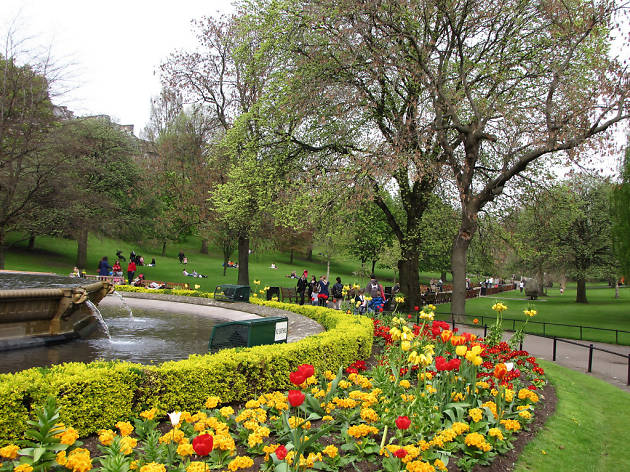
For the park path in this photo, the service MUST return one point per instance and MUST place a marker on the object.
(608, 367)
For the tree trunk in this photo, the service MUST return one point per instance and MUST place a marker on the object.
(443, 276)
(541, 282)
(82, 243)
(3, 248)
(373, 265)
(204, 246)
(328, 269)
(458, 263)
(31, 242)
(291, 257)
(243, 260)
(410, 276)
(581, 291)
(309, 254)
(163, 248)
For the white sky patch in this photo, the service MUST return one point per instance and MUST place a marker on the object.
(114, 48)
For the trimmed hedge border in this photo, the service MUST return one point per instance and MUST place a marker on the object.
(95, 396)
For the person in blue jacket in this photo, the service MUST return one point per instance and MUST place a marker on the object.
(104, 267)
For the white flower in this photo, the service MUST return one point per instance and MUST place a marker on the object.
(174, 417)
(509, 366)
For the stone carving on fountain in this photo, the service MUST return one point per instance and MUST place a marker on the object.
(40, 316)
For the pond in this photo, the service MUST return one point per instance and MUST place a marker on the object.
(150, 336)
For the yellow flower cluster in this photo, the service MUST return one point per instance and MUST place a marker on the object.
(69, 436)
(476, 414)
(240, 462)
(127, 443)
(492, 407)
(530, 313)
(185, 449)
(125, 428)
(106, 437)
(407, 398)
(411, 450)
(405, 383)
(427, 314)
(149, 414)
(369, 415)
(526, 393)
(361, 430)
(275, 400)
(331, 451)
(23, 468)
(153, 467)
(511, 425)
(344, 402)
(173, 436)
(495, 433)
(499, 307)
(197, 466)
(525, 414)
(258, 414)
(10, 451)
(79, 460)
(212, 401)
(447, 435)
(477, 440)
(294, 421)
(420, 466)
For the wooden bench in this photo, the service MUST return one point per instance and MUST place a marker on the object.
(288, 294)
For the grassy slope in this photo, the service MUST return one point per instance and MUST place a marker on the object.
(589, 431)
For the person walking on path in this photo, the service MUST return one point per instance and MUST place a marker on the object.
(337, 294)
(131, 270)
(301, 286)
(521, 285)
(104, 267)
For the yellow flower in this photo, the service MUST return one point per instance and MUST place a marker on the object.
(461, 350)
(256, 282)
(149, 414)
(226, 411)
(499, 307)
(405, 345)
(23, 468)
(405, 383)
(127, 443)
(495, 433)
(361, 430)
(240, 462)
(61, 458)
(197, 467)
(125, 428)
(476, 414)
(331, 451)
(10, 451)
(530, 313)
(185, 449)
(106, 437)
(79, 460)
(153, 467)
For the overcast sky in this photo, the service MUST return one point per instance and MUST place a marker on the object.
(114, 47)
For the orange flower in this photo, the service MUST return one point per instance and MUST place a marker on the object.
(475, 321)
(446, 335)
(499, 371)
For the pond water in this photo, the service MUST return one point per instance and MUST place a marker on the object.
(149, 337)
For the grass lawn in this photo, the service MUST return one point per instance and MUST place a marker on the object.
(602, 310)
(589, 431)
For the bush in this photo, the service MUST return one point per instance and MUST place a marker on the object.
(96, 395)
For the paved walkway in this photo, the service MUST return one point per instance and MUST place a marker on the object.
(299, 326)
(610, 368)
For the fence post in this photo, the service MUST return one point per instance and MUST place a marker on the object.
(521, 346)
(616, 336)
(544, 326)
(513, 325)
(453, 322)
(580, 332)
(555, 343)
(590, 358)
(485, 331)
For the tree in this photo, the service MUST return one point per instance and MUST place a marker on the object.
(28, 165)
(620, 206)
(100, 181)
(369, 234)
(438, 227)
(588, 241)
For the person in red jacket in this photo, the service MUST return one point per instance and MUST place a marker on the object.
(131, 270)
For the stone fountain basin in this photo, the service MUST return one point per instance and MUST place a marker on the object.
(38, 316)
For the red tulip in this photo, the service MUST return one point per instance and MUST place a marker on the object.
(307, 370)
(400, 453)
(297, 378)
(202, 444)
(499, 371)
(281, 452)
(296, 398)
(403, 422)
(416, 308)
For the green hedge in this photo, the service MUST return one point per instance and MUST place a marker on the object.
(97, 395)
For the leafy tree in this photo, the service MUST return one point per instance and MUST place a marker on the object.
(28, 168)
(588, 241)
(620, 206)
(439, 226)
(369, 234)
(100, 180)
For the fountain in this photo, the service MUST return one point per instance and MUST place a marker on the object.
(46, 309)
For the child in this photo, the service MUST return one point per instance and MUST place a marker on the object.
(360, 302)
(314, 298)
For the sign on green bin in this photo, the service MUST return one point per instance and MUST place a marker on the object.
(249, 333)
(232, 293)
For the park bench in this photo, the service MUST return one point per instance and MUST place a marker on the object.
(107, 278)
(288, 294)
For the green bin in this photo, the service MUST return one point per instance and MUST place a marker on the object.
(232, 293)
(248, 333)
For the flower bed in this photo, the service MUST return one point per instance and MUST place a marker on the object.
(435, 398)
